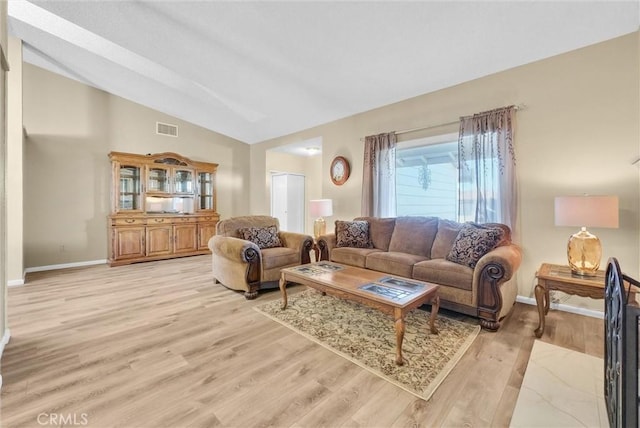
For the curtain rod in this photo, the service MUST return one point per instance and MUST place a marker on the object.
(424, 128)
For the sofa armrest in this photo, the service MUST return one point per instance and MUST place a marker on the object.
(299, 242)
(236, 263)
(234, 249)
(494, 269)
(325, 244)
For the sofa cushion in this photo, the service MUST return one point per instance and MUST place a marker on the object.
(395, 263)
(414, 235)
(351, 256)
(444, 272)
(263, 237)
(445, 237)
(352, 234)
(380, 231)
(279, 257)
(231, 226)
(473, 242)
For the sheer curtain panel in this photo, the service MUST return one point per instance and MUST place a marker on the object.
(487, 179)
(379, 176)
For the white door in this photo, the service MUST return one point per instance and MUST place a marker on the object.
(287, 201)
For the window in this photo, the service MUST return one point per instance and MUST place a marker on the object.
(427, 179)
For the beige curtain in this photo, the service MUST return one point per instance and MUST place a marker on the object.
(379, 176)
(487, 191)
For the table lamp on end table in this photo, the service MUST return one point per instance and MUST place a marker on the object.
(584, 250)
(320, 208)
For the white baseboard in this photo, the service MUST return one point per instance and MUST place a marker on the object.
(65, 265)
(15, 282)
(563, 307)
(5, 339)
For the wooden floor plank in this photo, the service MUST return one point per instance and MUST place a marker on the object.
(158, 344)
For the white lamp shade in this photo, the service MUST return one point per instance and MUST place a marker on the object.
(587, 211)
(320, 207)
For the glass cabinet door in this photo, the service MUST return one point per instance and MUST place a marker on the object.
(129, 190)
(205, 191)
(183, 179)
(158, 179)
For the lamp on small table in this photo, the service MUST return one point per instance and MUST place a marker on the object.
(584, 250)
(320, 208)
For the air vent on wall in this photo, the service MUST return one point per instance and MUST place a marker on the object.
(166, 129)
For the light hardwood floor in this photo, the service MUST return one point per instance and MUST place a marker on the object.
(158, 344)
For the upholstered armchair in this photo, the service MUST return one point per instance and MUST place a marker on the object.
(248, 253)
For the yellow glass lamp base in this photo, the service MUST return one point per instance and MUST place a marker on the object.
(584, 252)
(319, 227)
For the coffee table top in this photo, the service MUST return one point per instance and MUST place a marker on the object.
(373, 285)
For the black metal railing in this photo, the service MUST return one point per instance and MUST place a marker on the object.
(622, 324)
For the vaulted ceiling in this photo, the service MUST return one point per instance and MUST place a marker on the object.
(258, 70)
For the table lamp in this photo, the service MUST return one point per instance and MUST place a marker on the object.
(584, 250)
(320, 208)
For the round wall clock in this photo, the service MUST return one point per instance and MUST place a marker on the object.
(339, 170)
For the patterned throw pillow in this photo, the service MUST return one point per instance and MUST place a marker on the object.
(352, 234)
(263, 237)
(473, 242)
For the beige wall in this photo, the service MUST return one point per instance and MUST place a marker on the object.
(71, 128)
(15, 152)
(4, 327)
(309, 166)
(578, 134)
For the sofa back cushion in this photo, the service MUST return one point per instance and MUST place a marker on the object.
(446, 236)
(231, 226)
(380, 231)
(474, 241)
(414, 235)
(352, 234)
(263, 237)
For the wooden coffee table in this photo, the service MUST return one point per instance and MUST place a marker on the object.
(392, 295)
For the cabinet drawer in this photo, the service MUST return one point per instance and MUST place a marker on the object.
(207, 219)
(128, 221)
(158, 220)
(181, 220)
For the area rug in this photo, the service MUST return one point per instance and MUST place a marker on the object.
(367, 337)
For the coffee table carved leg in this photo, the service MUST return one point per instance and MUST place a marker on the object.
(283, 291)
(435, 307)
(399, 336)
(542, 302)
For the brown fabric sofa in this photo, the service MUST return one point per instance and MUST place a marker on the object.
(240, 264)
(419, 248)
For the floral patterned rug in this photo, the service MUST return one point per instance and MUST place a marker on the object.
(367, 337)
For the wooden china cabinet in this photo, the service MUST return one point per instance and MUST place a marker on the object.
(162, 206)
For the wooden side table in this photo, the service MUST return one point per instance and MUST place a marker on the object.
(559, 277)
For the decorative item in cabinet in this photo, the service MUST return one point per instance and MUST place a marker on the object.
(158, 179)
(183, 180)
(205, 191)
(163, 206)
(129, 192)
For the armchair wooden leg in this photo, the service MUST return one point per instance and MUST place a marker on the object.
(253, 291)
(250, 295)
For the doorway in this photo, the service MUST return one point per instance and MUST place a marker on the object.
(287, 200)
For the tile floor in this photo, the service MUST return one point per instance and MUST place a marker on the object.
(561, 388)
